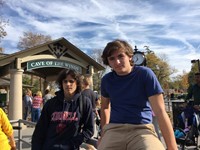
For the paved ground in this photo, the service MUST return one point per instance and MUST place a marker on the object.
(26, 133)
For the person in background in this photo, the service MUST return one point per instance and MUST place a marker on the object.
(98, 106)
(47, 96)
(129, 93)
(27, 102)
(87, 91)
(36, 106)
(7, 141)
(172, 96)
(194, 92)
(62, 124)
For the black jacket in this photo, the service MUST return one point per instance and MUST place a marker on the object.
(59, 126)
(92, 96)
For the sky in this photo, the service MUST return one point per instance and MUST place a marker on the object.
(167, 27)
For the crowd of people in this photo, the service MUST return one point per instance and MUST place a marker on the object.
(131, 96)
(187, 124)
(33, 104)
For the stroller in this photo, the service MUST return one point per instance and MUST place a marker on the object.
(98, 125)
(187, 130)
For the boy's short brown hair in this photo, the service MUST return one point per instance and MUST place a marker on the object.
(117, 45)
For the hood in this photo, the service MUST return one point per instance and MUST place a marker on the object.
(60, 95)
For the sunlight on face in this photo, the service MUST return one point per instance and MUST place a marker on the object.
(120, 62)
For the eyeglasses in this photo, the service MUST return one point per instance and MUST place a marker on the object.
(70, 81)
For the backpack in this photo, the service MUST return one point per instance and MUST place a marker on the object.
(81, 104)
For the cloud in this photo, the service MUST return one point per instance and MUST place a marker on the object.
(170, 27)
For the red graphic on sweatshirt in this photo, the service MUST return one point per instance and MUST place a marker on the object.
(60, 127)
(64, 116)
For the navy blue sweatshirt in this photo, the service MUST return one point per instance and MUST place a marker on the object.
(59, 126)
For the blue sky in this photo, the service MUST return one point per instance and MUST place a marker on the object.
(168, 27)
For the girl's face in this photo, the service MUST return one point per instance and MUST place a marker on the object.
(69, 86)
(120, 62)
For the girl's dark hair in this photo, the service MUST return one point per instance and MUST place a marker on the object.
(117, 45)
(64, 73)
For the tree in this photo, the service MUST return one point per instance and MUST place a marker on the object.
(184, 81)
(31, 81)
(27, 41)
(97, 76)
(31, 39)
(180, 82)
(160, 67)
(194, 69)
(96, 55)
(1, 50)
(3, 23)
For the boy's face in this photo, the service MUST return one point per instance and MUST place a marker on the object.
(120, 62)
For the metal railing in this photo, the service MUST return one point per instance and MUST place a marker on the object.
(17, 125)
(168, 103)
